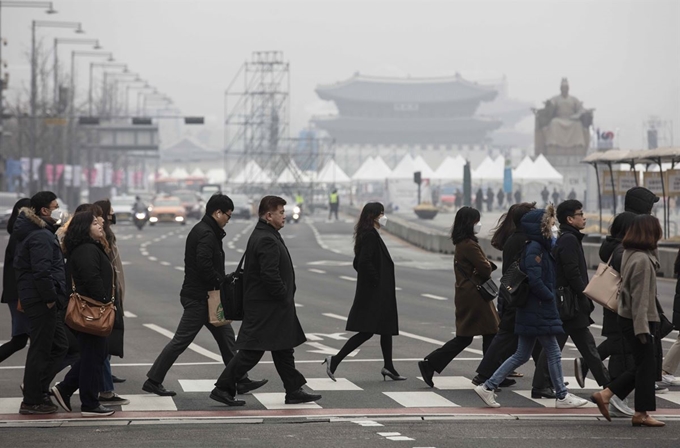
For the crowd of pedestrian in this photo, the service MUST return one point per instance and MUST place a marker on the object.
(48, 266)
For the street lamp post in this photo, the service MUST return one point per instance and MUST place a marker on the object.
(100, 64)
(34, 94)
(16, 4)
(105, 84)
(57, 41)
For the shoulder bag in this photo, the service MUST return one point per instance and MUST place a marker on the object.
(604, 287)
(488, 290)
(515, 283)
(90, 316)
(232, 293)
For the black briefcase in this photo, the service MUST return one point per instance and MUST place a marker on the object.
(231, 293)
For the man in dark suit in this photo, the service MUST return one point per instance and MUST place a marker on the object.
(270, 322)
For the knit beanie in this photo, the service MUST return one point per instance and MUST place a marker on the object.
(640, 200)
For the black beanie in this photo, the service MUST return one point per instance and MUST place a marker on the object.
(640, 200)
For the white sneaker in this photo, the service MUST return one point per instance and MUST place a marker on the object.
(487, 396)
(670, 380)
(660, 389)
(570, 401)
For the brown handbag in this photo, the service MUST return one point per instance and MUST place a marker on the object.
(90, 316)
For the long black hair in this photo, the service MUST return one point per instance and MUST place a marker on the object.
(366, 222)
(509, 222)
(105, 205)
(78, 231)
(21, 203)
(463, 225)
(621, 224)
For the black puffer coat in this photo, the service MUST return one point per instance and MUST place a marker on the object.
(38, 261)
(91, 271)
(203, 260)
(512, 250)
(572, 272)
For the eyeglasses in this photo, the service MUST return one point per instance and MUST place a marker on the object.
(578, 214)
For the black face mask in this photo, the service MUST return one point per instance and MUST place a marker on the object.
(113, 219)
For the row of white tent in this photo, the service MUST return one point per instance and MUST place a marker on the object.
(375, 169)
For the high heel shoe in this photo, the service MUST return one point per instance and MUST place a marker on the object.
(393, 375)
(327, 361)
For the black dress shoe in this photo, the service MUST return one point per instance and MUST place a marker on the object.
(427, 372)
(117, 379)
(157, 389)
(543, 393)
(247, 385)
(300, 396)
(479, 379)
(507, 383)
(223, 397)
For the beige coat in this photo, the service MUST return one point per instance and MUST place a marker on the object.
(638, 289)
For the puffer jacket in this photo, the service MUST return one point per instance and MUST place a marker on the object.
(38, 261)
(540, 316)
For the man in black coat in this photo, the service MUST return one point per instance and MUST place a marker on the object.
(270, 322)
(41, 286)
(572, 277)
(203, 272)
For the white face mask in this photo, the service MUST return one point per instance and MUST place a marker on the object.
(382, 221)
(554, 230)
(56, 214)
(477, 228)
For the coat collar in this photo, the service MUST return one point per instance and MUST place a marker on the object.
(219, 232)
(566, 228)
(263, 225)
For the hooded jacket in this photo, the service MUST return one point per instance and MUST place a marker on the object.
(539, 317)
(38, 261)
(640, 200)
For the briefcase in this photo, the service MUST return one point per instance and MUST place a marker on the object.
(232, 293)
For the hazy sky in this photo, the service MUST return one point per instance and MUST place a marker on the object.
(621, 57)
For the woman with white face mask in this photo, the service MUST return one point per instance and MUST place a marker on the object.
(374, 310)
(474, 315)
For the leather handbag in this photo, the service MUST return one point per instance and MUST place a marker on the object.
(231, 293)
(488, 290)
(567, 303)
(90, 316)
(604, 287)
(514, 283)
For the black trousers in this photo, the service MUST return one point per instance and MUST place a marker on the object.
(87, 372)
(642, 375)
(616, 349)
(48, 347)
(585, 343)
(441, 357)
(503, 346)
(194, 318)
(240, 365)
(333, 208)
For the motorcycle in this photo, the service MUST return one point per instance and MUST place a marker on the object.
(139, 219)
(297, 213)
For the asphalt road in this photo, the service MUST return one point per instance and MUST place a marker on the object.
(448, 415)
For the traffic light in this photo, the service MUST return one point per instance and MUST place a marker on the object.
(417, 177)
(193, 120)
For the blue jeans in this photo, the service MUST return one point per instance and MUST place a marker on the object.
(107, 380)
(525, 346)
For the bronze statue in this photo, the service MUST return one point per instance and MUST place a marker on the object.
(562, 126)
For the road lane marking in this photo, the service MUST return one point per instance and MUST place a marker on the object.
(432, 296)
(153, 259)
(129, 314)
(351, 279)
(367, 423)
(330, 263)
(180, 268)
(409, 335)
(318, 271)
(165, 263)
(196, 348)
(421, 400)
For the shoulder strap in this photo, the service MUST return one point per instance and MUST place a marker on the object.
(465, 276)
(240, 263)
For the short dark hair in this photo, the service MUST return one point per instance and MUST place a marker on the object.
(269, 204)
(463, 224)
(42, 199)
(643, 234)
(568, 208)
(220, 202)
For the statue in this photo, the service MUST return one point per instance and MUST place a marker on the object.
(562, 126)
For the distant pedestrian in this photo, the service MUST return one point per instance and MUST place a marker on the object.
(539, 319)
(458, 201)
(572, 195)
(333, 204)
(555, 197)
(479, 200)
(638, 315)
(374, 310)
(203, 271)
(518, 196)
(501, 197)
(10, 295)
(40, 275)
(545, 194)
(508, 198)
(270, 322)
(474, 315)
(490, 197)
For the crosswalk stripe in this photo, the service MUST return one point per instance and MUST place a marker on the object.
(277, 401)
(325, 384)
(545, 402)
(420, 400)
(149, 402)
(192, 346)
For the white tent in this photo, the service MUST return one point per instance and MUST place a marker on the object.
(331, 173)
(179, 173)
(162, 172)
(197, 172)
(450, 169)
(421, 165)
(251, 174)
(288, 175)
(404, 169)
(543, 171)
(216, 175)
(488, 170)
(374, 168)
(523, 169)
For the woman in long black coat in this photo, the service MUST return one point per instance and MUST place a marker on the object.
(374, 310)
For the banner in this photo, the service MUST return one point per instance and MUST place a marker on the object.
(652, 182)
(672, 182)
